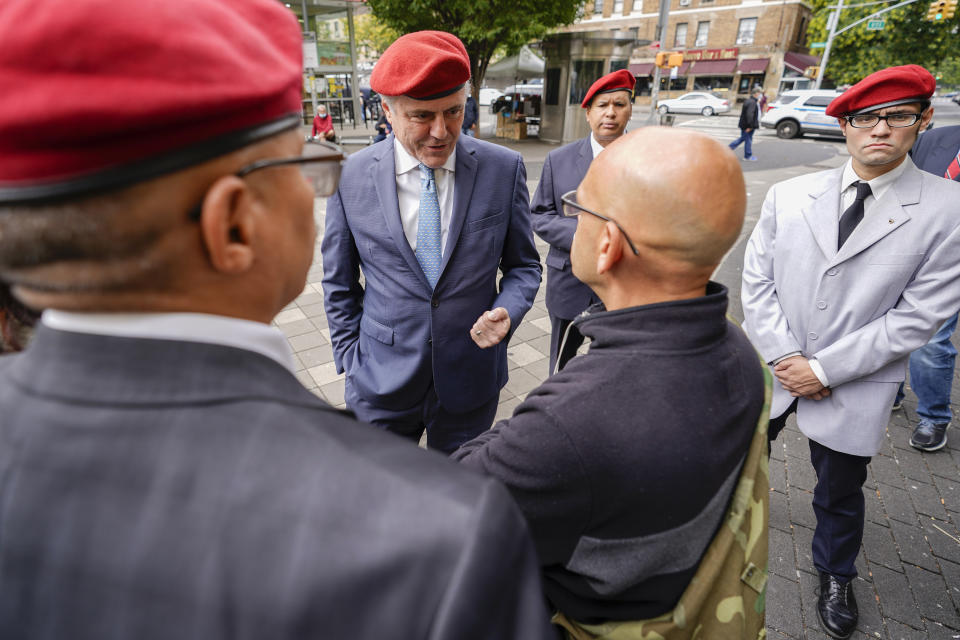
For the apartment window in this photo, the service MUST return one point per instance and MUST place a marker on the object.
(680, 38)
(703, 30)
(618, 7)
(597, 7)
(802, 32)
(746, 30)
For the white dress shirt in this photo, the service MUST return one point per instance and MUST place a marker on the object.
(190, 327)
(408, 193)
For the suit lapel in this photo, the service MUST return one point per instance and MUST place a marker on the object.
(821, 214)
(464, 179)
(586, 156)
(383, 174)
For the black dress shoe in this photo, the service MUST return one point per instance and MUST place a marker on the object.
(836, 607)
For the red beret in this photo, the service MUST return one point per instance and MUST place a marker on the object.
(424, 65)
(885, 88)
(621, 80)
(103, 93)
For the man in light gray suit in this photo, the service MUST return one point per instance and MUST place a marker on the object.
(846, 273)
(163, 474)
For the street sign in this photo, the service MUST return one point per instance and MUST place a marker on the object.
(876, 25)
(818, 45)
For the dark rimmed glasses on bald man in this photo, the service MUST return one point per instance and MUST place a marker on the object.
(572, 209)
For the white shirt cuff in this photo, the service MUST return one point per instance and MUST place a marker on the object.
(817, 369)
(784, 357)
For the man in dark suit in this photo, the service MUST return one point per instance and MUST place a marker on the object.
(748, 123)
(609, 105)
(431, 218)
(162, 472)
(931, 366)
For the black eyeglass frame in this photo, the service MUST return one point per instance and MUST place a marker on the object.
(916, 118)
(338, 156)
(568, 199)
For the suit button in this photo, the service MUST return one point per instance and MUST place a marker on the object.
(821, 305)
(434, 303)
(832, 272)
(812, 335)
(430, 341)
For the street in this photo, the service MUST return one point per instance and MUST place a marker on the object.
(909, 582)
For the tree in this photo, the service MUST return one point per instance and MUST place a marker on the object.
(373, 34)
(906, 39)
(482, 25)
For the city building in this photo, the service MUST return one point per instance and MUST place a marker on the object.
(728, 46)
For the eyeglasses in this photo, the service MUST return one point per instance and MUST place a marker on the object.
(320, 164)
(572, 209)
(895, 120)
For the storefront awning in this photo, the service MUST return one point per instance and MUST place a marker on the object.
(713, 67)
(642, 68)
(799, 61)
(757, 65)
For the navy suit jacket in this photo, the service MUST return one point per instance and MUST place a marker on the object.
(934, 150)
(563, 171)
(394, 335)
(158, 489)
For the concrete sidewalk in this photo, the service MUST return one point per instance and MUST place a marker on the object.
(909, 584)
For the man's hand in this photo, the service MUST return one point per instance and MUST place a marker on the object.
(490, 328)
(796, 376)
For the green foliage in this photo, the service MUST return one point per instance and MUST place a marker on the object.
(484, 26)
(906, 39)
(372, 33)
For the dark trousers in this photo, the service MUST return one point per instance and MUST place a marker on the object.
(837, 503)
(446, 430)
(569, 346)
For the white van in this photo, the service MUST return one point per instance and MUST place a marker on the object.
(801, 111)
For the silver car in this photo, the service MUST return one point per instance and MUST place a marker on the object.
(703, 102)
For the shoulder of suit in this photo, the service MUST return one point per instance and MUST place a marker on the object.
(807, 180)
(571, 149)
(483, 149)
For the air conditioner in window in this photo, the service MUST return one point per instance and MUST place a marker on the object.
(684, 3)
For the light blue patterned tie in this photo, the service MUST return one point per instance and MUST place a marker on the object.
(428, 227)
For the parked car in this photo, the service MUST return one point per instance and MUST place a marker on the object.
(703, 102)
(801, 111)
(488, 95)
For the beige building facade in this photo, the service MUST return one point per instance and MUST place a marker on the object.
(728, 45)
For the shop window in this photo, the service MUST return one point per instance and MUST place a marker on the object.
(703, 32)
(597, 7)
(585, 73)
(802, 31)
(713, 83)
(618, 7)
(746, 30)
(552, 86)
(680, 38)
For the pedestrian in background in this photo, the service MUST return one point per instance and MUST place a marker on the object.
(323, 125)
(608, 105)
(931, 366)
(749, 122)
(846, 273)
(439, 225)
(471, 115)
(163, 473)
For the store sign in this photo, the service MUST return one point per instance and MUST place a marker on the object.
(711, 54)
(310, 58)
(333, 53)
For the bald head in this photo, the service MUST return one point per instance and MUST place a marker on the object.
(680, 197)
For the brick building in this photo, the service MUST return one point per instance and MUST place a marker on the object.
(728, 45)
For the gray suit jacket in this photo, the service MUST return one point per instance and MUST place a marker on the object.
(859, 311)
(164, 489)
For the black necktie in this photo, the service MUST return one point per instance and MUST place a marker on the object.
(854, 213)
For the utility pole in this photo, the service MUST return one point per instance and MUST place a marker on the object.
(659, 36)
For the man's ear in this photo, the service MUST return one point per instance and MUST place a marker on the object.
(925, 118)
(227, 225)
(610, 249)
(386, 111)
(843, 126)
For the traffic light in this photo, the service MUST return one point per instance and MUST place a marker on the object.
(811, 72)
(950, 10)
(938, 10)
(665, 59)
(676, 59)
(662, 59)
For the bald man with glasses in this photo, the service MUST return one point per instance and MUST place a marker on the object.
(599, 457)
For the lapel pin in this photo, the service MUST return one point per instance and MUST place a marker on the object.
(890, 220)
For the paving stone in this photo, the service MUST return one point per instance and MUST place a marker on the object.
(778, 476)
(312, 310)
(803, 541)
(801, 508)
(942, 545)
(926, 500)
(912, 466)
(932, 597)
(783, 614)
(895, 596)
(315, 356)
(323, 374)
(333, 392)
(297, 328)
(897, 504)
(306, 379)
(886, 470)
(526, 331)
(873, 508)
(288, 316)
(542, 323)
(306, 341)
(320, 322)
(949, 491)
(796, 443)
(951, 575)
(523, 354)
(505, 408)
(800, 474)
(879, 546)
(309, 296)
(777, 451)
(536, 312)
(781, 556)
(914, 548)
(940, 464)
(899, 631)
(541, 344)
(539, 369)
(936, 631)
(521, 382)
(779, 512)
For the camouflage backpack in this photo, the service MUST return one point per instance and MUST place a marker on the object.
(726, 597)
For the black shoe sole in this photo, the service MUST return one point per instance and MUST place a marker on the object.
(831, 633)
(926, 448)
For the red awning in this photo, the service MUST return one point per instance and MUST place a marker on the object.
(757, 65)
(681, 70)
(714, 67)
(642, 68)
(799, 61)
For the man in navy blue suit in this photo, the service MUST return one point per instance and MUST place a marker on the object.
(931, 366)
(608, 105)
(430, 218)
